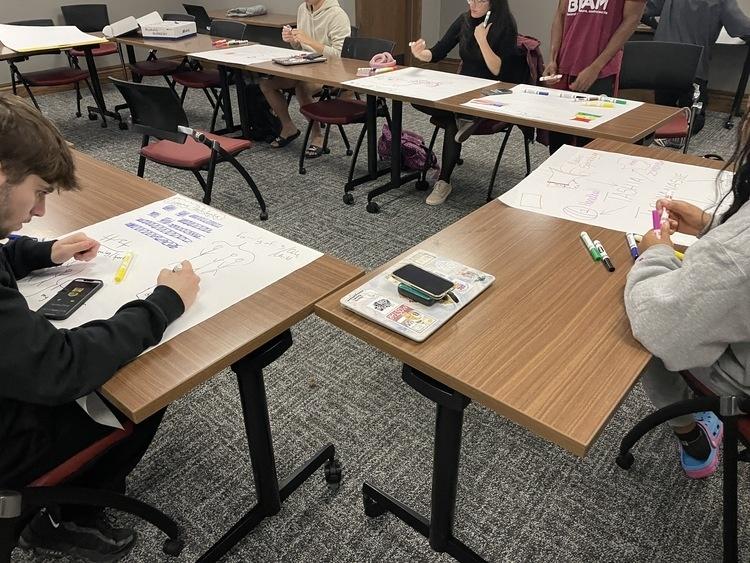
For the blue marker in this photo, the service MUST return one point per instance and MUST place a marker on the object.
(630, 237)
(538, 92)
(14, 236)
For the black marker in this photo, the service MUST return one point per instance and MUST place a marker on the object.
(605, 257)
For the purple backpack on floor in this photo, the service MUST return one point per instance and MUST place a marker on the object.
(414, 153)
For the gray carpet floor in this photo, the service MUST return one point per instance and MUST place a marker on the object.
(520, 497)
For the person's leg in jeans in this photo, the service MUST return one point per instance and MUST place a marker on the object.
(603, 86)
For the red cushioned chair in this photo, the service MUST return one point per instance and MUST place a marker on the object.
(156, 112)
(659, 65)
(17, 507)
(210, 80)
(735, 412)
(90, 18)
(331, 110)
(62, 76)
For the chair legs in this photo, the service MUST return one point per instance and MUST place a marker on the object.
(78, 99)
(527, 154)
(348, 197)
(302, 169)
(422, 182)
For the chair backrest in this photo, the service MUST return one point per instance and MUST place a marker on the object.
(202, 21)
(178, 18)
(41, 23)
(154, 110)
(365, 48)
(228, 29)
(659, 65)
(86, 17)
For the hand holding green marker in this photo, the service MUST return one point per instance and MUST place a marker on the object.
(588, 243)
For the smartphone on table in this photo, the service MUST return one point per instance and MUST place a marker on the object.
(70, 298)
(427, 282)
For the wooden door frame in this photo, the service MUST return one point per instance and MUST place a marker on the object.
(415, 29)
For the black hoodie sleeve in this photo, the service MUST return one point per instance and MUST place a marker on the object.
(45, 365)
(24, 255)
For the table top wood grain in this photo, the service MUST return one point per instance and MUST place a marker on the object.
(170, 371)
(548, 345)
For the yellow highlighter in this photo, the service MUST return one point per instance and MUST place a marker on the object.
(124, 266)
(600, 104)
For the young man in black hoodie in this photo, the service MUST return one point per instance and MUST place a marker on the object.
(43, 370)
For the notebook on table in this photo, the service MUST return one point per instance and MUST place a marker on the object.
(379, 301)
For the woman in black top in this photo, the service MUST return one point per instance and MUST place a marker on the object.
(489, 52)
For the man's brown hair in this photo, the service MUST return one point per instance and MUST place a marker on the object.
(31, 144)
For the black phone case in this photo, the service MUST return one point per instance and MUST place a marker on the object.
(57, 309)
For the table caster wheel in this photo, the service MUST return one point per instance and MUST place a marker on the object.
(625, 461)
(78, 114)
(348, 198)
(122, 125)
(173, 547)
(303, 171)
(332, 472)
(93, 117)
(373, 207)
(264, 216)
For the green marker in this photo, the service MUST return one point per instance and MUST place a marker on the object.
(590, 246)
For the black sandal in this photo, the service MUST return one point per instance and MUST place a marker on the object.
(313, 151)
(281, 142)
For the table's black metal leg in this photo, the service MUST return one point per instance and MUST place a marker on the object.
(449, 423)
(249, 371)
(242, 106)
(372, 136)
(736, 110)
(731, 553)
(397, 180)
(96, 87)
(226, 98)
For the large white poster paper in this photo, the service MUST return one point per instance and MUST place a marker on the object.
(24, 38)
(247, 55)
(233, 258)
(554, 106)
(611, 190)
(420, 83)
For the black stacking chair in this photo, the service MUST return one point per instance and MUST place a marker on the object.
(156, 112)
(61, 76)
(91, 18)
(202, 20)
(330, 110)
(659, 65)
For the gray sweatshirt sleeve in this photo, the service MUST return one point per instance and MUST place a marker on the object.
(688, 313)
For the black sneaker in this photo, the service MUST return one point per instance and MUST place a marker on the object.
(96, 540)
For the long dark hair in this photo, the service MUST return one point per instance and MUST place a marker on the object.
(740, 161)
(503, 26)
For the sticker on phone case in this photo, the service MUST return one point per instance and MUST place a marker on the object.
(411, 319)
(382, 305)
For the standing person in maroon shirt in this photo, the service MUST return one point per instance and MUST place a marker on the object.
(587, 41)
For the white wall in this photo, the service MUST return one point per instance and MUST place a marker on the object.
(13, 10)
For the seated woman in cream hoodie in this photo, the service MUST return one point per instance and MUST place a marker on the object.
(322, 26)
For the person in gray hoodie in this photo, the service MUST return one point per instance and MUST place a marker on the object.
(694, 315)
(322, 26)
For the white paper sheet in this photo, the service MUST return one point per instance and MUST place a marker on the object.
(421, 83)
(233, 258)
(246, 55)
(552, 108)
(613, 190)
(24, 38)
(726, 39)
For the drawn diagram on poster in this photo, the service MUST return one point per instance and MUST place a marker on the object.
(427, 84)
(233, 258)
(247, 55)
(613, 190)
(554, 106)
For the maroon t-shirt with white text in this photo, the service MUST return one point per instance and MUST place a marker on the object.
(589, 26)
